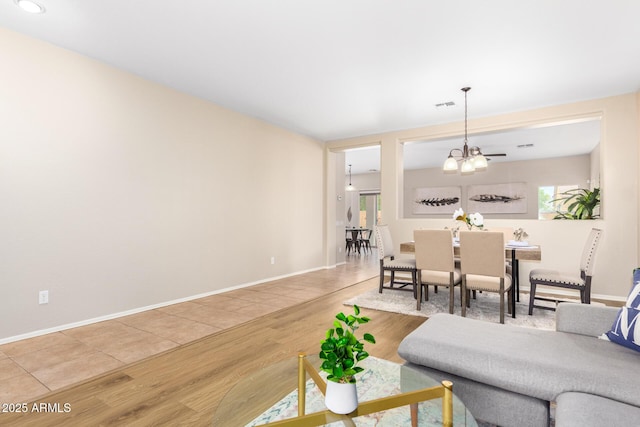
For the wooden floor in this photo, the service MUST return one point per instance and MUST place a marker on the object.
(184, 385)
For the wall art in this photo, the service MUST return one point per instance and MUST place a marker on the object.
(436, 200)
(497, 198)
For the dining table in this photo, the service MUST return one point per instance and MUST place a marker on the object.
(514, 251)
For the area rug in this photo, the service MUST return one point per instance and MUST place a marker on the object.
(379, 378)
(485, 307)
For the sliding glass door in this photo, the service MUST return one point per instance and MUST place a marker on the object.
(370, 211)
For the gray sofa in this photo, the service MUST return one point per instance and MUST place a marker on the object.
(508, 375)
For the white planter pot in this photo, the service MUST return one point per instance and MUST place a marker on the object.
(341, 398)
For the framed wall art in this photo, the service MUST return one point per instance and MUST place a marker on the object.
(436, 200)
(497, 198)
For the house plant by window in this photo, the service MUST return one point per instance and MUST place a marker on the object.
(580, 203)
(340, 353)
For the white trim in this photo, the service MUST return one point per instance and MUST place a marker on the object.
(146, 308)
(329, 267)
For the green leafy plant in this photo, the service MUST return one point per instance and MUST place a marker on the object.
(341, 350)
(580, 204)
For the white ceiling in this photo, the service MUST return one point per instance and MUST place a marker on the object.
(339, 68)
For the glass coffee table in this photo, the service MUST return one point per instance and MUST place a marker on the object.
(270, 396)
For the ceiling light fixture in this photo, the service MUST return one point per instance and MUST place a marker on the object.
(30, 6)
(471, 157)
(350, 187)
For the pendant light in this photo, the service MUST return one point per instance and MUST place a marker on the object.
(350, 187)
(471, 158)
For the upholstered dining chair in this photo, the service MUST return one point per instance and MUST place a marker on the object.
(482, 264)
(581, 282)
(388, 262)
(435, 263)
(507, 233)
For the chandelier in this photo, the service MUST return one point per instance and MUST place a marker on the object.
(471, 158)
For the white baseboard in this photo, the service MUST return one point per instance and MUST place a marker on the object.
(146, 308)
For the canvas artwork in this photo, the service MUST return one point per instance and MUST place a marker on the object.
(497, 198)
(436, 200)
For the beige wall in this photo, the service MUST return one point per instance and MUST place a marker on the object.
(562, 241)
(118, 193)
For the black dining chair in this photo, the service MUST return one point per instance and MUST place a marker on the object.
(352, 241)
(365, 240)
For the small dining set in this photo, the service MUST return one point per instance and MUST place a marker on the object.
(475, 262)
(358, 240)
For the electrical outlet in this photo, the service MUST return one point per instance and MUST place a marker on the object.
(43, 297)
(273, 260)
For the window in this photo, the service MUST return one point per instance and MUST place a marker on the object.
(547, 206)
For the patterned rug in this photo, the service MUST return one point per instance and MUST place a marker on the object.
(380, 378)
(485, 307)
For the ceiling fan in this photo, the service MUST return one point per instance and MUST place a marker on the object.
(495, 155)
(475, 151)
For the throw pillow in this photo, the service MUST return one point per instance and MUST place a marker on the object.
(634, 296)
(626, 328)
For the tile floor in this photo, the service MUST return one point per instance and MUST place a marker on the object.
(31, 368)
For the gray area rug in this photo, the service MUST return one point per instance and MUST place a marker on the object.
(486, 307)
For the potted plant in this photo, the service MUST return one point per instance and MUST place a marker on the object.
(340, 353)
(580, 204)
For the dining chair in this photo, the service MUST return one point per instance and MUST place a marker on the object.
(435, 263)
(507, 233)
(348, 242)
(365, 240)
(456, 258)
(388, 262)
(353, 241)
(581, 283)
(482, 264)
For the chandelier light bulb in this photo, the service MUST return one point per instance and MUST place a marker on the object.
(451, 164)
(467, 167)
(480, 162)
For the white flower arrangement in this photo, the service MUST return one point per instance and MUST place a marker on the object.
(471, 220)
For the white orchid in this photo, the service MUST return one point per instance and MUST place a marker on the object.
(476, 219)
(471, 220)
(458, 215)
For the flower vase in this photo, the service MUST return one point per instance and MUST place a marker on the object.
(341, 398)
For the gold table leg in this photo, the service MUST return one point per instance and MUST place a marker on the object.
(444, 391)
(302, 388)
